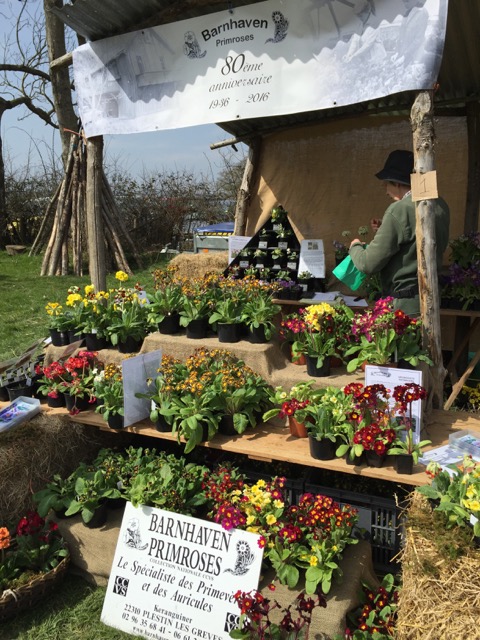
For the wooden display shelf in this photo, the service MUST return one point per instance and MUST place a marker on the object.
(270, 442)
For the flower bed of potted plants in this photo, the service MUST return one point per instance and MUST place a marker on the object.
(384, 422)
(375, 615)
(198, 298)
(58, 324)
(255, 622)
(278, 216)
(33, 558)
(163, 311)
(193, 397)
(292, 406)
(51, 383)
(108, 390)
(383, 335)
(320, 338)
(92, 490)
(227, 310)
(259, 312)
(73, 378)
(456, 494)
(128, 323)
(303, 541)
(306, 280)
(406, 450)
(459, 287)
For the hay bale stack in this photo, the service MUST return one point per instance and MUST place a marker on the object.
(196, 265)
(440, 596)
(33, 452)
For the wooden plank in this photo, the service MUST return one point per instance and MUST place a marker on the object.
(273, 442)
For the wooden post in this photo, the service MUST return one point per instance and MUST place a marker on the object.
(243, 197)
(421, 118)
(473, 183)
(95, 231)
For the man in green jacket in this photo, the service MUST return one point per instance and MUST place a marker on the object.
(393, 251)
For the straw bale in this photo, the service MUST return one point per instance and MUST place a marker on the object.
(195, 265)
(440, 596)
(33, 452)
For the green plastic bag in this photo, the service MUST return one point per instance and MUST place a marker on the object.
(348, 273)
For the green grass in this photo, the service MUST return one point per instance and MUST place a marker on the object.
(72, 612)
(24, 294)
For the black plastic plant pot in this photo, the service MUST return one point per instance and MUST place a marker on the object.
(404, 464)
(323, 449)
(229, 332)
(170, 324)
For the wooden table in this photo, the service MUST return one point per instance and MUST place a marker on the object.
(269, 442)
(459, 369)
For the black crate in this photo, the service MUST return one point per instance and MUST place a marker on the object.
(293, 489)
(378, 522)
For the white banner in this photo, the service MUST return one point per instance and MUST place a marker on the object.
(173, 577)
(271, 58)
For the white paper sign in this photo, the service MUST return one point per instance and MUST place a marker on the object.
(135, 372)
(173, 577)
(392, 377)
(312, 258)
(236, 244)
(260, 60)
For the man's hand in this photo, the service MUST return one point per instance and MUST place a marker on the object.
(356, 241)
(375, 224)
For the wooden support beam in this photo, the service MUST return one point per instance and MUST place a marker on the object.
(244, 193)
(63, 61)
(95, 230)
(421, 118)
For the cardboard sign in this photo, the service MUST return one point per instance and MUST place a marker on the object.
(174, 577)
(424, 186)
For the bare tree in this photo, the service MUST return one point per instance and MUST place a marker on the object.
(36, 39)
(60, 76)
(25, 80)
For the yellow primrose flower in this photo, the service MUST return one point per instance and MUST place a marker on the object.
(53, 309)
(313, 561)
(270, 519)
(470, 492)
(122, 276)
(253, 529)
(89, 288)
(472, 505)
(278, 504)
(73, 299)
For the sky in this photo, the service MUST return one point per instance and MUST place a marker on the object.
(170, 150)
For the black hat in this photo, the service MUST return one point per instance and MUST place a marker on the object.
(398, 167)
